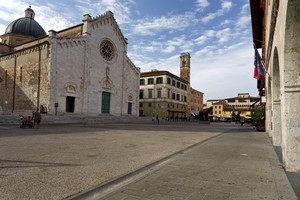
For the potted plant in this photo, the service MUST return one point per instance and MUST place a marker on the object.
(258, 118)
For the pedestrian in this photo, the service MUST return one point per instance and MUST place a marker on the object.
(36, 116)
(157, 119)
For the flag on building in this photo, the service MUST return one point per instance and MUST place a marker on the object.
(256, 74)
(257, 63)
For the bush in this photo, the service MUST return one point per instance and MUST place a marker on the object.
(258, 116)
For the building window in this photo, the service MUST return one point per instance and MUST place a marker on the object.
(141, 104)
(191, 107)
(173, 95)
(185, 87)
(219, 112)
(142, 81)
(149, 104)
(173, 82)
(216, 107)
(178, 84)
(150, 94)
(141, 94)
(215, 112)
(159, 93)
(182, 86)
(150, 81)
(159, 80)
(178, 97)
(184, 98)
(220, 107)
(169, 81)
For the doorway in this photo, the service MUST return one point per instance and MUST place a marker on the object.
(105, 108)
(70, 104)
(129, 108)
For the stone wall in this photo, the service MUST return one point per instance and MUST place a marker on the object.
(283, 82)
(26, 84)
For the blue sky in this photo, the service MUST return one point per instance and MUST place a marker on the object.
(217, 34)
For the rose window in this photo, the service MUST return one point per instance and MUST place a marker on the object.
(107, 50)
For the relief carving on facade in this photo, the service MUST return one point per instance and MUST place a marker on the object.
(70, 88)
(130, 98)
(107, 82)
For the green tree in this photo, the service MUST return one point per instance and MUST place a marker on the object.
(258, 116)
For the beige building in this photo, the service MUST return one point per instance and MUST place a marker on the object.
(83, 69)
(275, 26)
(163, 94)
(223, 108)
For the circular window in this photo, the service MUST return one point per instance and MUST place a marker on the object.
(107, 50)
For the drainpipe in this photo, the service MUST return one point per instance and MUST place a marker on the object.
(39, 80)
(14, 89)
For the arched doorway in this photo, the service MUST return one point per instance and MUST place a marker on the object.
(276, 104)
(291, 94)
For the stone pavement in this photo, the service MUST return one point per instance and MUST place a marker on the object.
(60, 160)
(240, 164)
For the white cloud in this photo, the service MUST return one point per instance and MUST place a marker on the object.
(205, 37)
(226, 6)
(154, 25)
(169, 49)
(225, 74)
(121, 9)
(201, 4)
(224, 35)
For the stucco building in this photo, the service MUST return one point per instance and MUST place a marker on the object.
(163, 94)
(196, 104)
(83, 69)
(275, 27)
(223, 108)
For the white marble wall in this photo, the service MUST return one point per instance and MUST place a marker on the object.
(78, 70)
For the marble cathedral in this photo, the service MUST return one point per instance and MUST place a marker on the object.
(82, 70)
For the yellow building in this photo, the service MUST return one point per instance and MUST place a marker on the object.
(224, 108)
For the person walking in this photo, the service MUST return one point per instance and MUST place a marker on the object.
(36, 116)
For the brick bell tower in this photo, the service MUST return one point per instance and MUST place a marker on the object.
(185, 61)
(185, 66)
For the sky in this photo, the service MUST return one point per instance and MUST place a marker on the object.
(216, 33)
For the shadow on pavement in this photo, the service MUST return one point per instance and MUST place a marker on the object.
(294, 178)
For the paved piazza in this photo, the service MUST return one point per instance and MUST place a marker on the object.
(57, 161)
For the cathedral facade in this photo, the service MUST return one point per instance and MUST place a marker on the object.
(83, 69)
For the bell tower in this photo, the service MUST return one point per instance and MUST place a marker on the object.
(185, 66)
(185, 59)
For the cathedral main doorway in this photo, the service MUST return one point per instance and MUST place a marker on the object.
(105, 108)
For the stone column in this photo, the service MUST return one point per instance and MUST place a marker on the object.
(276, 123)
(291, 129)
